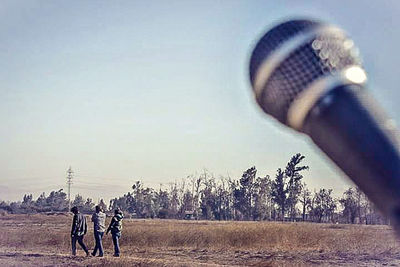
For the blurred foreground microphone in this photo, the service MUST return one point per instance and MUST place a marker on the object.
(308, 76)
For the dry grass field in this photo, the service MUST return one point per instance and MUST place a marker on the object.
(43, 240)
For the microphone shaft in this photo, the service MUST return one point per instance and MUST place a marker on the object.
(360, 142)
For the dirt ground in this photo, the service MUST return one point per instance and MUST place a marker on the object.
(194, 257)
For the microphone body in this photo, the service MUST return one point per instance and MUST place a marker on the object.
(308, 76)
(360, 143)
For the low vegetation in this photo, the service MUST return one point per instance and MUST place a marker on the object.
(185, 243)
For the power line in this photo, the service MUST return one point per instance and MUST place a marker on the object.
(94, 182)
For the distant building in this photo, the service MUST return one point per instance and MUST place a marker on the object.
(189, 215)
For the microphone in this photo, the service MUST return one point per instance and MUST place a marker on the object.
(308, 75)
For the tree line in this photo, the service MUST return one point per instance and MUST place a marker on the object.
(284, 197)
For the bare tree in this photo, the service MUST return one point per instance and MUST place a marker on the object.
(305, 199)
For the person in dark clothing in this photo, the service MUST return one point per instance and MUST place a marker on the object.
(78, 231)
(99, 226)
(116, 227)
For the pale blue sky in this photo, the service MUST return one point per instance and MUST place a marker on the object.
(158, 90)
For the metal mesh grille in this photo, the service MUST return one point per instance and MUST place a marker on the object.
(325, 54)
(273, 38)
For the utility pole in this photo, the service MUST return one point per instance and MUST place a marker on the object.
(69, 183)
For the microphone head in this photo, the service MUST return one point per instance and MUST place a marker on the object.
(292, 56)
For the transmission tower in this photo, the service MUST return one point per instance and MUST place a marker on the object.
(69, 183)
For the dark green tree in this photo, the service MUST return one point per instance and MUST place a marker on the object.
(293, 174)
(88, 207)
(78, 201)
(262, 198)
(324, 205)
(279, 192)
(208, 200)
(350, 205)
(244, 201)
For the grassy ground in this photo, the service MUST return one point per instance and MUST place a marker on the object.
(41, 240)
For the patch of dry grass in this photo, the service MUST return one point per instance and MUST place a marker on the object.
(259, 235)
(51, 234)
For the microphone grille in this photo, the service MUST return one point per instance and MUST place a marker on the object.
(274, 38)
(323, 52)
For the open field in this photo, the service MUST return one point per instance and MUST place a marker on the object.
(43, 240)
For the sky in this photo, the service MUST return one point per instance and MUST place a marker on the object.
(159, 90)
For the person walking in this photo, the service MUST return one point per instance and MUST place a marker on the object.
(116, 227)
(99, 226)
(78, 230)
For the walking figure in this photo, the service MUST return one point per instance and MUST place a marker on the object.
(78, 230)
(99, 226)
(115, 227)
